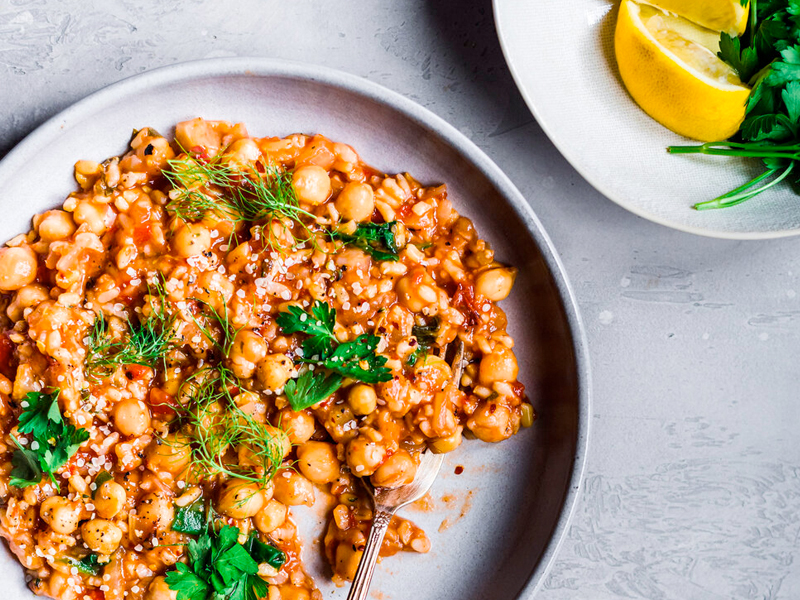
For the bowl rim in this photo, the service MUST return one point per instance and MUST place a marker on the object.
(28, 147)
(563, 147)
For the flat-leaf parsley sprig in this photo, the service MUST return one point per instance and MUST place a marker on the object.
(220, 568)
(356, 359)
(768, 58)
(53, 442)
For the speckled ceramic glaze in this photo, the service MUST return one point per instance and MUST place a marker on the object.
(496, 526)
(573, 87)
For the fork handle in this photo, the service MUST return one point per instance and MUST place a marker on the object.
(366, 566)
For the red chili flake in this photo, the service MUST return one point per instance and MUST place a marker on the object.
(161, 403)
(459, 470)
(464, 298)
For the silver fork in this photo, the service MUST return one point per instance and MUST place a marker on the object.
(387, 501)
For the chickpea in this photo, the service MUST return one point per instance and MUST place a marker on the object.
(495, 284)
(347, 559)
(60, 514)
(156, 510)
(55, 225)
(17, 268)
(433, 370)
(240, 499)
(364, 456)
(26, 297)
(447, 444)
(109, 499)
(159, 590)
(492, 422)
(101, 536)
(279, 439)
(92, 215)
(271, 516)
(293, 489)
(399, 469)
(243, 152)
(252, 405)
(500, 365)
(299, 426)
(172, 454)
(131, 417)
(248, 349)
(356, 201)
(362, 399)
(312, 184)
(274, 371)
(318, 462)
(191, 240)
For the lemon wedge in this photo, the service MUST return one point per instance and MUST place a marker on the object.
(720, 15)
(671, 70)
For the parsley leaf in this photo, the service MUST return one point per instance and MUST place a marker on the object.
(376, 239)
(357, 359)
(53, 441)
(743, 60)
(26, 469)
(318, 324)
(189, 519)
(310, 388)
(88, 564)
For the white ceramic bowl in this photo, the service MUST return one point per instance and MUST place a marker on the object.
(561, 55)
(516, 497)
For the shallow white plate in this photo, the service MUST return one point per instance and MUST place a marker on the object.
(501, 520)
(561, 55)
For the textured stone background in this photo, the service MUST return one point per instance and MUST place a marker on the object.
(693, 479)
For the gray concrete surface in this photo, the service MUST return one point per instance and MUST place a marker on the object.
(693, 479)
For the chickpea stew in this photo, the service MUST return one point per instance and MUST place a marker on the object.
(211, 330)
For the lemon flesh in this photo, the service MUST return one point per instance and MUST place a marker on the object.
(671, 70)
(720, 15)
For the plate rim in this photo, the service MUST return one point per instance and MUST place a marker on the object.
(561, 146)
(27, 148)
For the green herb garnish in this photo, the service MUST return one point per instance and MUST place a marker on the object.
(220, 568)
(101, 478)
(356, 360)
(310, 388)
(217, 424)
(235, 192)
(88, 564)
(189, 519)
(376, 239)
(228, 332)
(426, 337)
(768, 58)
(146, 344)
(53, 442)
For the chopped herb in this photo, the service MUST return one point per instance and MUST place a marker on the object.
(376, 239)
(53, 442)
(88, 564)
(189, 519)
(426, 337)
(356, 359)
(220, 568)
